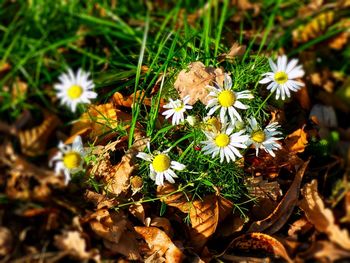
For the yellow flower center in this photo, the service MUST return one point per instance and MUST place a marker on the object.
(281, 77)
(258, 136)
(74, 92)
(222, 140)
(72, 160)
(161, 163)
(177, 109)
(227, 98)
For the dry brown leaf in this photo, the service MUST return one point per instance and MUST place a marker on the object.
(296, 141)
(260, 242)
(280, 215)
(127, 101)
(300, 225)
(100, 120)
(321, 217)
(159, 242)
(266, 195)
(325, 251)
(204, 215)
(74, 245)
(34, 141)
(138, 211)
(243, 6)
(302, 96)
(126, 246)
(109, 225)
(225, 207)
(232, 224)
(6, 241)
(18, 90)
(169, 195)
(117, 180)
(194, 81)
(163, 223)
(25, 180)
(235, 51)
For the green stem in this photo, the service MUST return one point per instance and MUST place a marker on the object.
(263, 103)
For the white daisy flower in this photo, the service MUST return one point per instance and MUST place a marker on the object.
(177, 109)
(282, 77)
(227, 100)
(264, 138)
(161, 166)
(75, 89)
(69, 159)
(225, 143)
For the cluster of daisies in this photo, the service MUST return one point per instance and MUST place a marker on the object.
(226, 132)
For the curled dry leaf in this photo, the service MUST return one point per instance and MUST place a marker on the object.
(170, 195)
(321, 217)
(259, 242)
(296, 141)
(225, 207)
(75, 246)
(204, 215)
(280, 215)
(33, 141)
(159, 242)
(235, 50)
(194, 81)
(6, 241)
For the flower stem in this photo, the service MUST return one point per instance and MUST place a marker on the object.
(263, 103)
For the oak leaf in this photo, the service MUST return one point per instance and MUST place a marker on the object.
(194, 81)
(321, 217)
(159, 242)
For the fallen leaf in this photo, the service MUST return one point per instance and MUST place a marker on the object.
(302, 96)
(259, 242)
(164, 224)
(109, 225)
(232, 224)
(100, 120)
(325, 115)
(159, 242)
(138, 211)
(170, 195)
(194, 81)
(266, 195)
(6, 241)
(126, 246)
(299, 226)
(325, 251)
(204, 215)
(25, 180)
(117, 180)
(33, 141)
(280, 215)
(235, 51)
(321, 217)
(127, 101)
(243, 6)
(296, 141)
(225, 207)
(74, 245)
